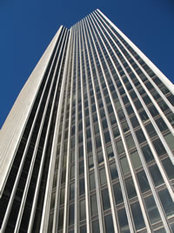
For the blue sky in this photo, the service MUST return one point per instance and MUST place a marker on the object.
(26, 28)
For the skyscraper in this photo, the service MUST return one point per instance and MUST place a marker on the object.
(88, 145)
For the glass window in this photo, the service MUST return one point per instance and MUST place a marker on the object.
(134, 121)
(71, 214)
(169, 167)
(147, 153)
(172, 227)
(129, 109)
(137, 216)
(60, 219)
(112, 118)
(170, 140)
(95, 227)
(93, 205)
(143, 182)
(159, 147)
(138, 104)
(170, 117)
(156, 175)
(105, 199)
(89, 146)
(140, 136)
(113, 171)
(125, 126)
(119, 146)
(163, 105)
(147, 100)
(150, 130)
(100, 157)
(116, 131)
(109, 224)
(161, 124)
(90, 162)
(153, 111)
(81, 167)
(104, 123)
(136, 162)
(72, 172)
(121, 115)
(167, 202)
(82, 210)
(88, 133)
(71, 191)
(96, 128)
(107, 137)
(92, 181)
(110, 152)
(122, 218)
(144, 116)
(98, 141)
(81, 186)
(62, 195)
(102, 176)
(124, 165)
(129, 141)
(117, 193)
(152, 209)
(83, 229)
(130, 188)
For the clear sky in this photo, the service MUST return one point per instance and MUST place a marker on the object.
(26, 28)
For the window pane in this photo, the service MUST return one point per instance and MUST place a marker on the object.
(113, 170)
(90, 162)
(117, 193)
(82, 210)
(100, 157)
(110, 152)
(119, 146)
(136, 162)
(71, 214)
(140, 136)
(71, 191)
(105, 199)
(169, 167)
(83, 229)
(102, 176)
(130, 187)
(137, 216)
(107, 137)
(95, 227)
(92, 181)
(143, 182)
(81, 186)
(60, 219)
(109, 224)
(152, 209)
(170, 139)
(122, 218)
(167, 202)
(62, 195)
(134, 121)
(156, 175)
(81, 167)
(150, 130)
(129, 141)
(159, 147)
(93, 205)
(124, 165)
(147, 153)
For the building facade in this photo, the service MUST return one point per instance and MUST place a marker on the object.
(88, 145)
